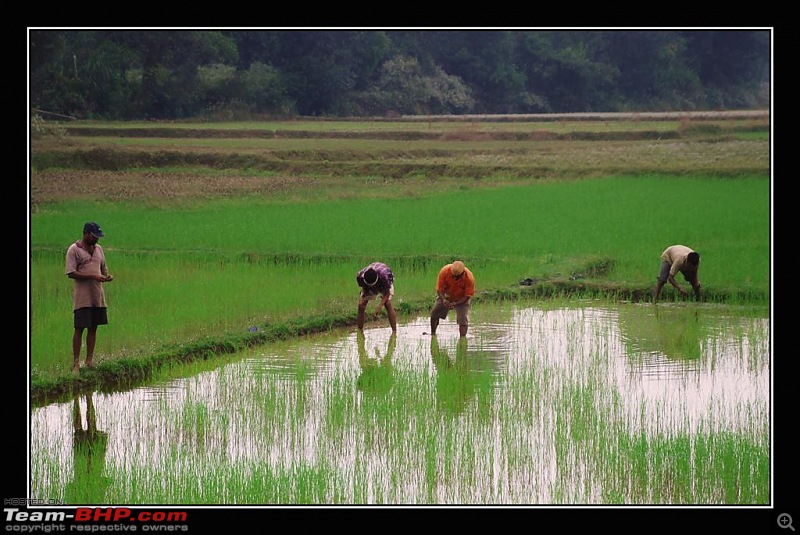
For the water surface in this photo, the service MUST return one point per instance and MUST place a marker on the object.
(581, 404)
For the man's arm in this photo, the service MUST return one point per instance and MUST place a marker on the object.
(382, 303)
(469, 291)
(443, 297)
(85, 276)
(672, 281)
(695, 282)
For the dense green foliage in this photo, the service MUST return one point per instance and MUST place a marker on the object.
(168, 74)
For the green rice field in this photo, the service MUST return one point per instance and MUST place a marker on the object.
(231, 372)
(559, 403)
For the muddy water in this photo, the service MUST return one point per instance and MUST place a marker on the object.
(535, 406)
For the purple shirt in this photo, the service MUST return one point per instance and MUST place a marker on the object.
(385, 279)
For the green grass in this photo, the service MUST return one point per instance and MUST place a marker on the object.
(481, 125)
(550, 416)
(211, 234)
(219, 267)
(584, 217)
(624, 218)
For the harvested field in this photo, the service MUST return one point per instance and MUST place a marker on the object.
(153, 162)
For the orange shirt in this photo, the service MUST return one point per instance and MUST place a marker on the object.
(455, 289)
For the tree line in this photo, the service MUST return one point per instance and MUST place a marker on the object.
(240, 74)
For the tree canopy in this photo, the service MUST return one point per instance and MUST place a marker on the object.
(237, 74)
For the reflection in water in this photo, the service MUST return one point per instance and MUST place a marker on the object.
(467, 378)
(291, 360)
(163, 391)
(535, 406)
(376, 373)
(88, 484)
(673, 332)
(454, 382)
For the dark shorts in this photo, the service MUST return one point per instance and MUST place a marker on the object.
(663, 275)
(440, 311)
(90, 317)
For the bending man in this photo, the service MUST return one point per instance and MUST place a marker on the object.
(374, 280)
(455, 287)
(674, 259)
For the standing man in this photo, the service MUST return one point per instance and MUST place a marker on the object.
(454, 289)
(674, 259)
(86, 265)
(374, 280)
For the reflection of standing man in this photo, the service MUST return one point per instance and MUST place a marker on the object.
(376, 373)
(455, 286)
(89, 452)
(86, 265)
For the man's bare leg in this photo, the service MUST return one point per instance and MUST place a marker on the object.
(91, 338)
(360, 316)
(392, 316)
(657, 290)
(77, 336)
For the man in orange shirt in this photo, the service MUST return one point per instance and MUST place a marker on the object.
(454, 289)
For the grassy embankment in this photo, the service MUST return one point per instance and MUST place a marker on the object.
(213, 229)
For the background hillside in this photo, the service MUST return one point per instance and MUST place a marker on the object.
(250, 74)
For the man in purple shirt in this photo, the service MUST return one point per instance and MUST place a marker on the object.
(86, 265)
(376, 280)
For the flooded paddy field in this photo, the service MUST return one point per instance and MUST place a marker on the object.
(557, 403)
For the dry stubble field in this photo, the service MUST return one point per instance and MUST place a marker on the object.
(174, 162)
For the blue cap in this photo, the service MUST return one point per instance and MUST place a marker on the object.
(93, 229)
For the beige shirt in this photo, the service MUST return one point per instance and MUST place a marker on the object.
(676, 256)
(87, 293)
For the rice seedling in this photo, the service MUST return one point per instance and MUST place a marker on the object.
(546, 405)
